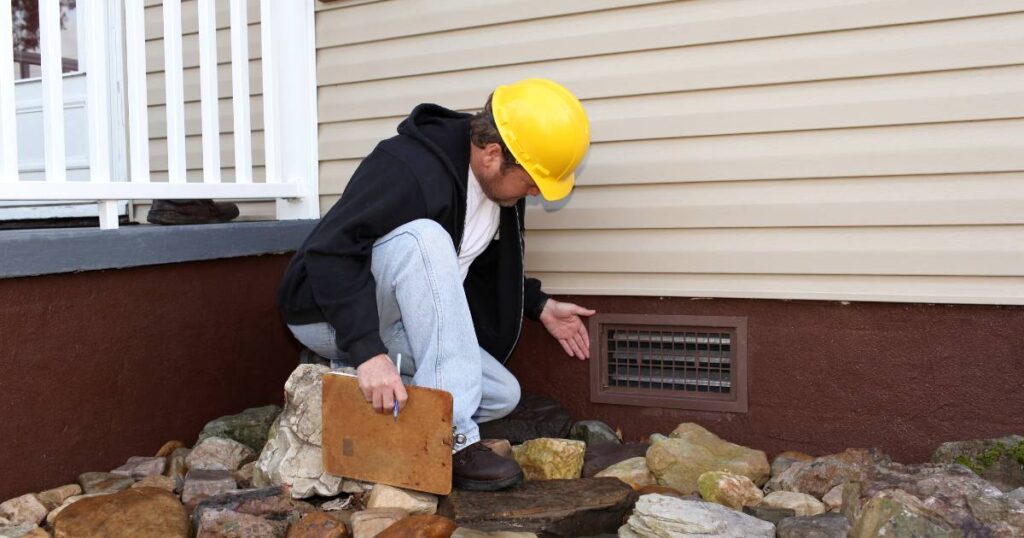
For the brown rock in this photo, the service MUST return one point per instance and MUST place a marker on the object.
(139, 467)
(600, 457)
(245, 476)
(217, 524)
(24, 509)
(421, 526)
(165, 483)
(52, 498)
(169, 448)
(787, 458)
(664, 490)
(139, 513)
(583, 506)
(727, 489)
(370, 523)
(500, 447)
(463, 532)
(690, 451)
(176, 466)
(26, 530)
(818, 476)
(219, 453)
(201, 484)
(272, 503)
(536, 416)
(103, 482)
(68, 502)
(319, 525)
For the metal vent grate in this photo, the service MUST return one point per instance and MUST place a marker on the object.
(683, 362)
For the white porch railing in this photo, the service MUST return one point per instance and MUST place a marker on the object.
(289, 109)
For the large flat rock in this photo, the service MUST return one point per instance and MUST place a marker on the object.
(580, 507)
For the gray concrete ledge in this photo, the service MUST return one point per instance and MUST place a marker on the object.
(51, 251)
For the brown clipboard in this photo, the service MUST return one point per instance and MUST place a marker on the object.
(414, 452)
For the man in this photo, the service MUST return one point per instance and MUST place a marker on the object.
(423, 256)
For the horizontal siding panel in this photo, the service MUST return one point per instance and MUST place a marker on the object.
(193, 117)
(194, 151)
(343, 23)
(190, 17)
(190, 51)
(334, 175)
(930, 250)
(678, 24)
(196, 174)
(979, 42)
(877, 201)
(155, 83)
(918, 289)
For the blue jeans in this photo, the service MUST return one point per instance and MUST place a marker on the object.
(424, 316)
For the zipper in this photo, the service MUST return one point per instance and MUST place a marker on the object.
(522, 287)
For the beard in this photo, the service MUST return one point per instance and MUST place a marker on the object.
(487, 185)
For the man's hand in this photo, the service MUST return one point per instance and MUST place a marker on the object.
(563, 321)
(381, 384)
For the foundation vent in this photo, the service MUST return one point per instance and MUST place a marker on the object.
(681, 362)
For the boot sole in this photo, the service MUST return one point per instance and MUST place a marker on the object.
(487, 485)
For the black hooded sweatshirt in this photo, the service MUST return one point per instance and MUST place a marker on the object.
(420, 173)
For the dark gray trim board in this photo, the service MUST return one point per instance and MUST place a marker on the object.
(43, 252)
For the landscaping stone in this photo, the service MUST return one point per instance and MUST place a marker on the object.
(1015, 495)
(201, 484)
(413, 502)
(139, 467)
(818, 476)
(103, 482)
(560, 507)
(22, 510)
(463, 532)
(787, 458)
(176, 463)
(679, 460)
(999, 460)
(319, 525)
(269, 503)
(52, 498)
(662, 516)
(820, 526)
(500, 447)
(245, 474)
(68, 502)
(369, 523)
(535, 417)
(139, 513)
(292, 456)
(833, 499)
(801, 503)
(593, 432)
(420, 526)
(215, 453)
(215, 524)
(27, 530)
(549, 459)
(665, 490)
(771, 515)
(599, 457)
(633, 471)
(168, 448)
(248, 427)
(727, 489)
(896, 514)
(165, 483)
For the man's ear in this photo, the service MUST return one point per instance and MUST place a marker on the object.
(492, 154)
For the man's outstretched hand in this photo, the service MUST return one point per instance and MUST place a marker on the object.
(563, 321)
(381, 384)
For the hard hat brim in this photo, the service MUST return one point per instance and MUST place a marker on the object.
(553, 190)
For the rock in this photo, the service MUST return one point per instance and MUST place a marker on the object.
(463, 532)
(215, 453)
(771, 515)
(24, 509)
(895, 514)
(602, 456)
(535, 417)
(559, 507)
(235, 525)
(245, 476)
(818, 476)
(26, 530)
(319, 525)
(633, 471)
(658, 515)
(549, 459)
(593, 432)
(139, 467)
(369, 523)
(52, 498)
(248, 427)
(168, 448)
(4, 522)
(833, 499)
(801, 503)
(500, 447)
(413, 502)
(679, 460)
(201, 484)
(177, 467)
(271, 504)
(1016, 495)
(68, 502)
(999, 460)
(292, 456)
(727, 489)
(139, 513)
(787, 458)
(165, 483)
(665, 490)
(103, 482)
(820, 526)
(421, 526)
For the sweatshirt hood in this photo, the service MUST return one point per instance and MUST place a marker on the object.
(445, 133)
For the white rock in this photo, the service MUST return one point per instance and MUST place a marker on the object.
(801, 503)
(25, 530)
(219, 454)
(662, 516)
(414, 502)
(370, 522)
(834, 499)
(24, 509)
(632, 471)
(139, 467)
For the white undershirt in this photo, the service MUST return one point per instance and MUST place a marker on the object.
(482, 217)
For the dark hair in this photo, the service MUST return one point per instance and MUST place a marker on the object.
(483, 130)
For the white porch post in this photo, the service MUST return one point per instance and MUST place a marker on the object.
(289, 104)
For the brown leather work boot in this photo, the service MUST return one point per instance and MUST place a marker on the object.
(190, 212)
(477, 468)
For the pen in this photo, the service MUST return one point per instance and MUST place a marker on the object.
(399, 375)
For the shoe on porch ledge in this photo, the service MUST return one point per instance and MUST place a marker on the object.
(191, 212)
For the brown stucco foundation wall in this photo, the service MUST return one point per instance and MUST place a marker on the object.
(103, 365)
(825, 376)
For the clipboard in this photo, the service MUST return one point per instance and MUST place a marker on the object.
(414, 452)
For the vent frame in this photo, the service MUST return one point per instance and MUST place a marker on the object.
(734, 401)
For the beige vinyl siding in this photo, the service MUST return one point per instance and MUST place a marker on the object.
(806, 149)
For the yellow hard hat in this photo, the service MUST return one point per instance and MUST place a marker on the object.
(546, 129)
